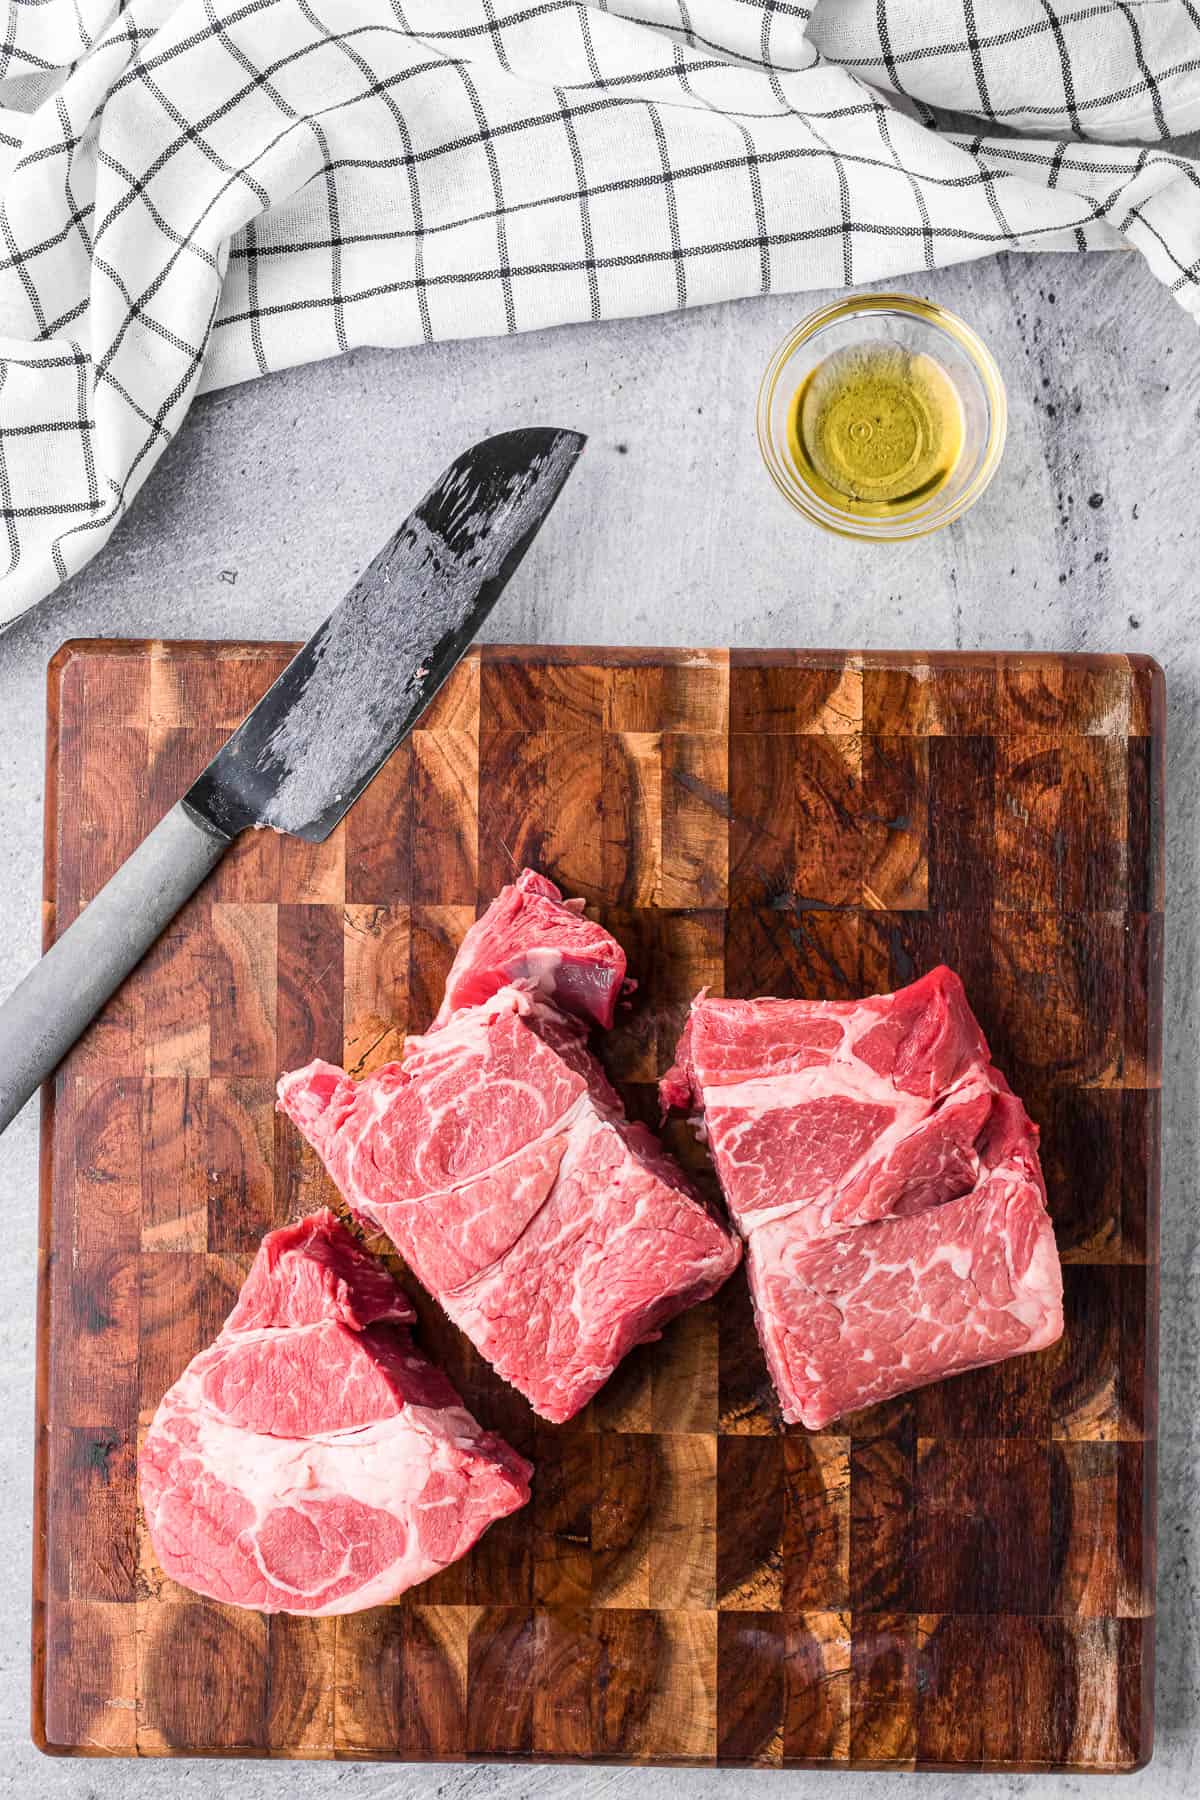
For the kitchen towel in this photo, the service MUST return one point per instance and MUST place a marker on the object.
(193, 192)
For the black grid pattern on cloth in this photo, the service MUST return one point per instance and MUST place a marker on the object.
(1093, 68)
(196, 191)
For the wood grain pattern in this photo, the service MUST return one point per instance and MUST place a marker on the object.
(962, 1578)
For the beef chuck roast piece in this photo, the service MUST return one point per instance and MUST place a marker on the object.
(885, 1307)
(886, 1181)
(531, 937)
(311, 1460)
(556, 1233)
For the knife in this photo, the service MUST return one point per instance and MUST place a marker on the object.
(302, 757)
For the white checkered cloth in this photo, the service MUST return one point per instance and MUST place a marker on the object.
(198, 191)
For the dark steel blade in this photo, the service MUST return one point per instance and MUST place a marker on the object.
(364, 678)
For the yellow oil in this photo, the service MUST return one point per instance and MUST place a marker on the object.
(876, 429)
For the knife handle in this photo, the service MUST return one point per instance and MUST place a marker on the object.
(62, 994)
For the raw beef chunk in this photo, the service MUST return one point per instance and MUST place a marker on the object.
(312, 1460)
(838, 1112)
(891, 1306)
(531, 937)
(554, 1232)
(878, 1166)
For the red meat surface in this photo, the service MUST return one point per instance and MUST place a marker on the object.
(556, 1233)
(881, 1171)
(530, 937)
(311, 1460)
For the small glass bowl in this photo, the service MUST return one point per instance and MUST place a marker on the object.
(917, 325)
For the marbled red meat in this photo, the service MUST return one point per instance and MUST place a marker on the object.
(555, 1232)
(311, 1460)
(530, 937)
(881, 1172)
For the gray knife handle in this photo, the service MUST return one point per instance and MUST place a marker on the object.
(62, 994)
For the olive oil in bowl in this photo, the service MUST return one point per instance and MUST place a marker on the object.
(881, 417)
(876, 428)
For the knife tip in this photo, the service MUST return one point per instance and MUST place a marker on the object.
(532, 440)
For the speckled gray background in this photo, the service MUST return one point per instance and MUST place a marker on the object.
(277, 493)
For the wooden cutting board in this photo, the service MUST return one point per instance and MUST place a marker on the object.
(963, 1577)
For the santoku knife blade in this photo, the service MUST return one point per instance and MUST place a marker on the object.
(315, 739)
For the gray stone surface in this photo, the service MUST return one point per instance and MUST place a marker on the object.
(276, 494)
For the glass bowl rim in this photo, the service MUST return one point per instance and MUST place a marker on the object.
(929, 313)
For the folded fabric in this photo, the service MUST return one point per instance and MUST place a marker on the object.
(193, 192)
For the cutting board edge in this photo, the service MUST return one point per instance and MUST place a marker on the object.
(635, 654)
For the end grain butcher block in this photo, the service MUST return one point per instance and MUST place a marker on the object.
(961, 1577)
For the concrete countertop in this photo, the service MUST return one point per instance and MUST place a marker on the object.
(276, 494)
